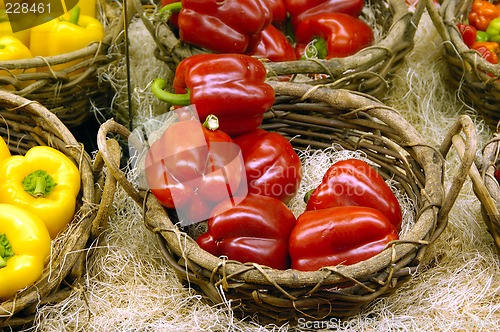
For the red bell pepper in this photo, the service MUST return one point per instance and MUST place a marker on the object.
(488, 50)
(255, 230)
(300, 9)
(468, 33)
(274, 46)
(340, 235)
(279, 12)
(482, 12)
(272, 166)
(229, 86)
(353, 182)
(222, 26)
(192, 167)
(332, 35)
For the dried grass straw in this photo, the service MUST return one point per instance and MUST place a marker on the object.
(128, 286)
(24, 124)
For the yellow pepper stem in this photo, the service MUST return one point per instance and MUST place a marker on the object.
(75, 15)
(39, 183)
(5, 250)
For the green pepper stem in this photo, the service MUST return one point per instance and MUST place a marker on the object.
(6, 251)
(158, 89)
(75, 15)
(307, 196)
(38, 183)
(173, 7)
(317, 49)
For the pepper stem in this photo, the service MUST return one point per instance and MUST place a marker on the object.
(317, 48)
(75, 15)
(6, 251)
(307, 196)
(211, 122)
(38, 183)
(158, 89)
(173, 7)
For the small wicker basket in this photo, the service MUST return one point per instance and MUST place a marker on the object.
(368, 71)
(468, 70)
(24, 124)
(319, 117)
(71, 92)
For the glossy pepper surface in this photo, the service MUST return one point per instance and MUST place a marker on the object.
(299, 9)
(224, 26)
(256, 230)
(6, 29)
(353, 182)
(67, 33)
(24, 247)
(332, 35)
(468, 33)
(192, 167)
(45, 182)
(340, 235)
(493, 30)
(272, 166)
(4, 150)
(230, 86)
(482, 12)
(488, 50)
(274, 46)
(12, 48)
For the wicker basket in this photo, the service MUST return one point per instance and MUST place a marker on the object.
(467, 68)
(369, 70)
(71, 92)
(319, 117)
(24, 124)
(487, 188)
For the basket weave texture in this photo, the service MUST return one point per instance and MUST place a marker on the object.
(319, 117)
(25, 124)
(468, 70)
(71, 92)
(368, 71)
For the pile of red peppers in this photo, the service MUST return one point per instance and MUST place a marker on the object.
(277, 30)
(215, 164)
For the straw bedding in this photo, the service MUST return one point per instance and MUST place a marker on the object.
(128, 286)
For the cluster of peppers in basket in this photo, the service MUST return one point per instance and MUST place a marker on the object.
(482, 31)
(52, 36)
(193, 168)
(38, 193)
(278, 30)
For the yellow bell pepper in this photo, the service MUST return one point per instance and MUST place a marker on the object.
(45, 182)
(6, 29)
(24, 247)
(64, 34)
(12, 49)
(4, 150)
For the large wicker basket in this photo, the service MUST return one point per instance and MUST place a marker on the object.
(70, 93)
(369, 70)
(468, 71)
(319, 117)
(24, 124)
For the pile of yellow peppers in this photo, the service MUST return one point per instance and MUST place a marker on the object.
(70, 32)
(38, 195)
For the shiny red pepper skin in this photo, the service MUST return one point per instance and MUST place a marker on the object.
(230, 86)
(278, 10)
(272, 166)
(353, 182)
(190, 168)
(488, 50)
(344, 34)
(255, 230)
(468, 33)
(300, 9)
(340, 235)
(224, 26)
(274, 46)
